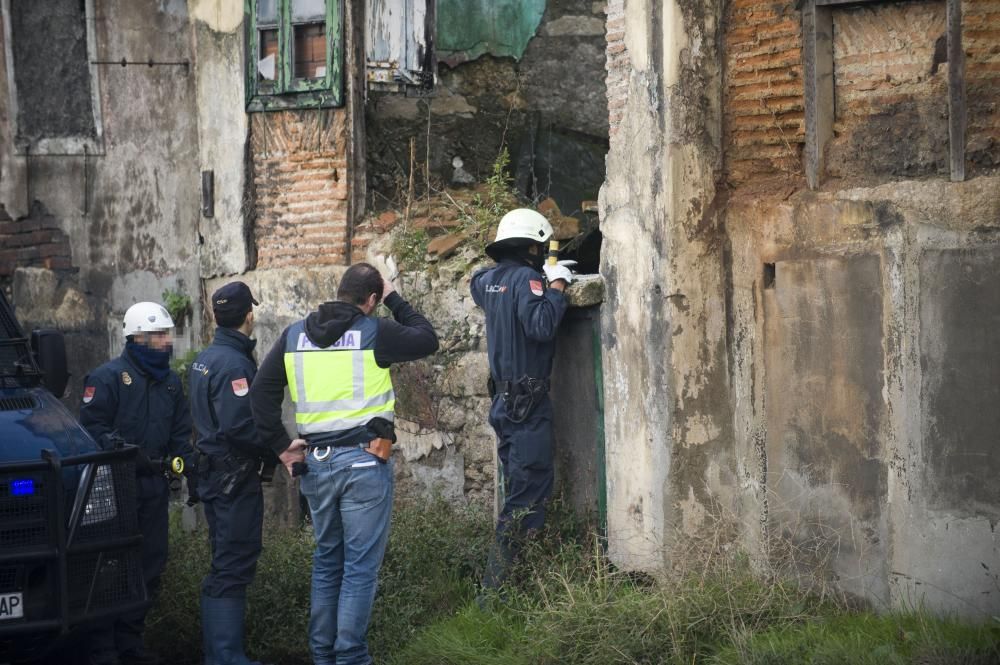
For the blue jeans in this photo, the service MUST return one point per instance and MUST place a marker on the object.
(350, 498)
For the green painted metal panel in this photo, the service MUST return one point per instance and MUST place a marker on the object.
(466, 29)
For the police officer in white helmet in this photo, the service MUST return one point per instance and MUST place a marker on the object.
(138, 398)
(523, 311)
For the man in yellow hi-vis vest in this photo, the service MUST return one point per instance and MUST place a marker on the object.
(335, 363)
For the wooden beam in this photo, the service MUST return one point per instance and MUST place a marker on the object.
(957, 118)
(817, 34)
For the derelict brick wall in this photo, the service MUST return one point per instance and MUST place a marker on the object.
(617, 65)
(981, 39)
(891, 90)
(883, 60)
(36, 241)
(764, 105)
(300, 187)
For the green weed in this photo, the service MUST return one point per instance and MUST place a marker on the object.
(178, 304)
(480, 219)
(409, 246)
(867, 639)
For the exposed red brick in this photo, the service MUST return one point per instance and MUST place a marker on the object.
(301, 187)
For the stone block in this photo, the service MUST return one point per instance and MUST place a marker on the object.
(435, 225)
(586, 291)
(444, 246)
(414, 442)
(549, 208)
(386, 221)
(564, 227)
(41, 301)
(467, 377)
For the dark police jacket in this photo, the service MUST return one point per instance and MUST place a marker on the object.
(219, 380)
(120, 397)
(522, 319)
(409, 337)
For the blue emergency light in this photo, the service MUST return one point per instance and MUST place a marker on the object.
(22, 487)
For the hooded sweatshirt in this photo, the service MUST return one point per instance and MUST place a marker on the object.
(408, 337)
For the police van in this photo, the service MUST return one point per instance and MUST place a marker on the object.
(69, 538)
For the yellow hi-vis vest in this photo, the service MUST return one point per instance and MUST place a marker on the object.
(339, 386)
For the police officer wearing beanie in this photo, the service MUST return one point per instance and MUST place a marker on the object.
(229, 471)
(138, 398)
(522, 319)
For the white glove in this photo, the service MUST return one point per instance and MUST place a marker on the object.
(559, 271)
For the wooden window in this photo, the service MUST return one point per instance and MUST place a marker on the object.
(295, 54)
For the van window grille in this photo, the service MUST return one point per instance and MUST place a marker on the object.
(24, 403)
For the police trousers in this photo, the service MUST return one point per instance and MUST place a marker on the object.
(525, 451)
(124, 634)
(234, 529)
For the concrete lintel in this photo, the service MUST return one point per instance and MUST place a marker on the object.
(956, 92)
(817, 35)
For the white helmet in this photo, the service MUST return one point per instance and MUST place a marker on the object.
(520, 225)
(144, 317)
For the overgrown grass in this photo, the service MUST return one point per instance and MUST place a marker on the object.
(866, 639)
(565, 604)
(435, 554)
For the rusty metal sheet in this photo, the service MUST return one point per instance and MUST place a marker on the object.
(467, 29)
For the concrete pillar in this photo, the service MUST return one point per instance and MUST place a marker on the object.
(668, 425)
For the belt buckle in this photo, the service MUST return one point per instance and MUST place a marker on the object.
(319, 457)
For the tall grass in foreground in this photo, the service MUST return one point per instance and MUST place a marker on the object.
(565, 604)
(435, 552)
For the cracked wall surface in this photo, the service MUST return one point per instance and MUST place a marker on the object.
(788, 367)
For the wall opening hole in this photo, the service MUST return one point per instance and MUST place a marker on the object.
(770, 275)
(585, 249)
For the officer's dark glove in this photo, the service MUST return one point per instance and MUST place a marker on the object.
(192, 485)
(143, 465)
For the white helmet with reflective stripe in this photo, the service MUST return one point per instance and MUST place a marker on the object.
(144, 317)
(518, 226)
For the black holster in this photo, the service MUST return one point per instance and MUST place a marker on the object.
(233, 470)
(522, 396)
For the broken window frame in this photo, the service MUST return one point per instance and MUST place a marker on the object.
(817, 56)
(287, 92)
(81, 146)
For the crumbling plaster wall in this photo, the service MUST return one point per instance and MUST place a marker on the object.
(863, 362)
(671, 470)
(843, 340)
(878, 309)
(130, 210)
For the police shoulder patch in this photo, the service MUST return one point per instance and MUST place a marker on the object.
(536, 287)
(88, 394)
(240, 387)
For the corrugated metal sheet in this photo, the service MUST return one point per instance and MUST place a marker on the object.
(399, 43)
(466, 29)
